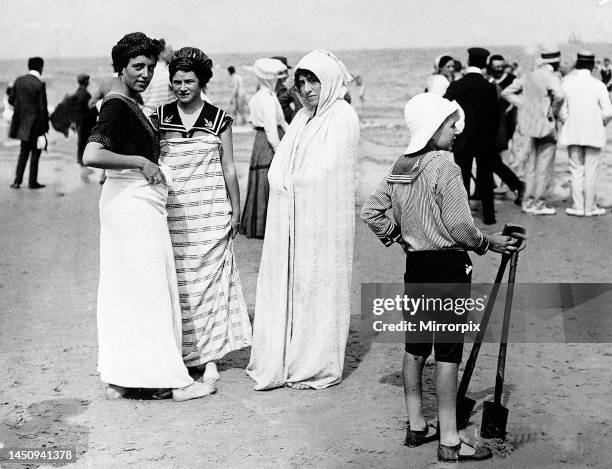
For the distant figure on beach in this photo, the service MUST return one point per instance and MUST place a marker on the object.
(539, 96)
(585, 112)
(432, 223)
(138, 311)
(302, 307)
(287, 97)
(496, 70)
(606, 73)
(237, 95)
(269, 121)
(196, 146)
(361, 91)
(478, 99)
(7, 109)
(444, 74)
(159, 91)
(30, 121)
(81, 99)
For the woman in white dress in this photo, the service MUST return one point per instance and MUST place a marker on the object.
(444, 71)
(203, 215)
(302, 309)
(139, 314)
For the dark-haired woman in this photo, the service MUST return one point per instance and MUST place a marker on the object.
(269, 121)
(139, 314)
(444, 70)
(203, 215)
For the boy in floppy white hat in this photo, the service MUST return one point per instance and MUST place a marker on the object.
(433, 224)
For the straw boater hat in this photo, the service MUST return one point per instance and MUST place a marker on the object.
(550, 54)
(424, 114)
(268, 69)
(586, 56)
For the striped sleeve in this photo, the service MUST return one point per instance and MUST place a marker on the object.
(374, 213)
(455, 211)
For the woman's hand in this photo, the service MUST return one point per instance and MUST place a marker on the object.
(506, 244)
(152, 172)
(235, 224)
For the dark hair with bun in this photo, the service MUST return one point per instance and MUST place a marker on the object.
(132, 45)
(191, 59)
(444, 60)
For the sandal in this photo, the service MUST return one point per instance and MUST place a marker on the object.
(416, 438)
(453, 453)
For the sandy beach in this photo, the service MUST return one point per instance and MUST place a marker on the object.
(557, 393)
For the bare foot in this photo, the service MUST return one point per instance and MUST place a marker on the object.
(195, 390)
(211, 375)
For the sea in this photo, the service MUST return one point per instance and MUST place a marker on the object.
(391, 76)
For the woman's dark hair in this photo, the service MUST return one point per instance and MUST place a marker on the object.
(132, 45)
(302, 72)
(444, 60)
(191, 59)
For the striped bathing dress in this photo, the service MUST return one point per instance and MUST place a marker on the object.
(214, 313)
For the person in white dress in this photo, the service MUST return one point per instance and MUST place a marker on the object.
(302, 308)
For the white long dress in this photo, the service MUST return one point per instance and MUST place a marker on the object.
(139, 313)
(302, 310)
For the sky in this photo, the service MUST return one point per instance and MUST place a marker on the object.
(89, 28)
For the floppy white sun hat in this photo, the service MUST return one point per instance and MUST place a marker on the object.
(424, 114)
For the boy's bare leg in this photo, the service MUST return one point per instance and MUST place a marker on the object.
(446, 393)
(412, 374)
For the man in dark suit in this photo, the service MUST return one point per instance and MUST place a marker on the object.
(30, 120)
(478, 98)
(286, 96)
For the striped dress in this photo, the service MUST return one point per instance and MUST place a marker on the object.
(215, 319)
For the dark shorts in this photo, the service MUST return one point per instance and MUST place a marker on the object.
(424, 269)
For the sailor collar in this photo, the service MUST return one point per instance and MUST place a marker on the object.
(210, 119)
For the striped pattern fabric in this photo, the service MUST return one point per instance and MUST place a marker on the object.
(542, 96)
(429, 205)
(215, 319)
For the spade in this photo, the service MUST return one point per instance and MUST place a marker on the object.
(465, 405)
(494, 414)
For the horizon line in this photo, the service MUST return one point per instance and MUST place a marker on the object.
(273, 52)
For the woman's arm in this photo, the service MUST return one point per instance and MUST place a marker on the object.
(231, 178)
(97, 156)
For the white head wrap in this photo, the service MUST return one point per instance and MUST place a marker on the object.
(332, 74)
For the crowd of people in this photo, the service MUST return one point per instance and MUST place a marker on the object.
(520, 119)
(170, 302)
